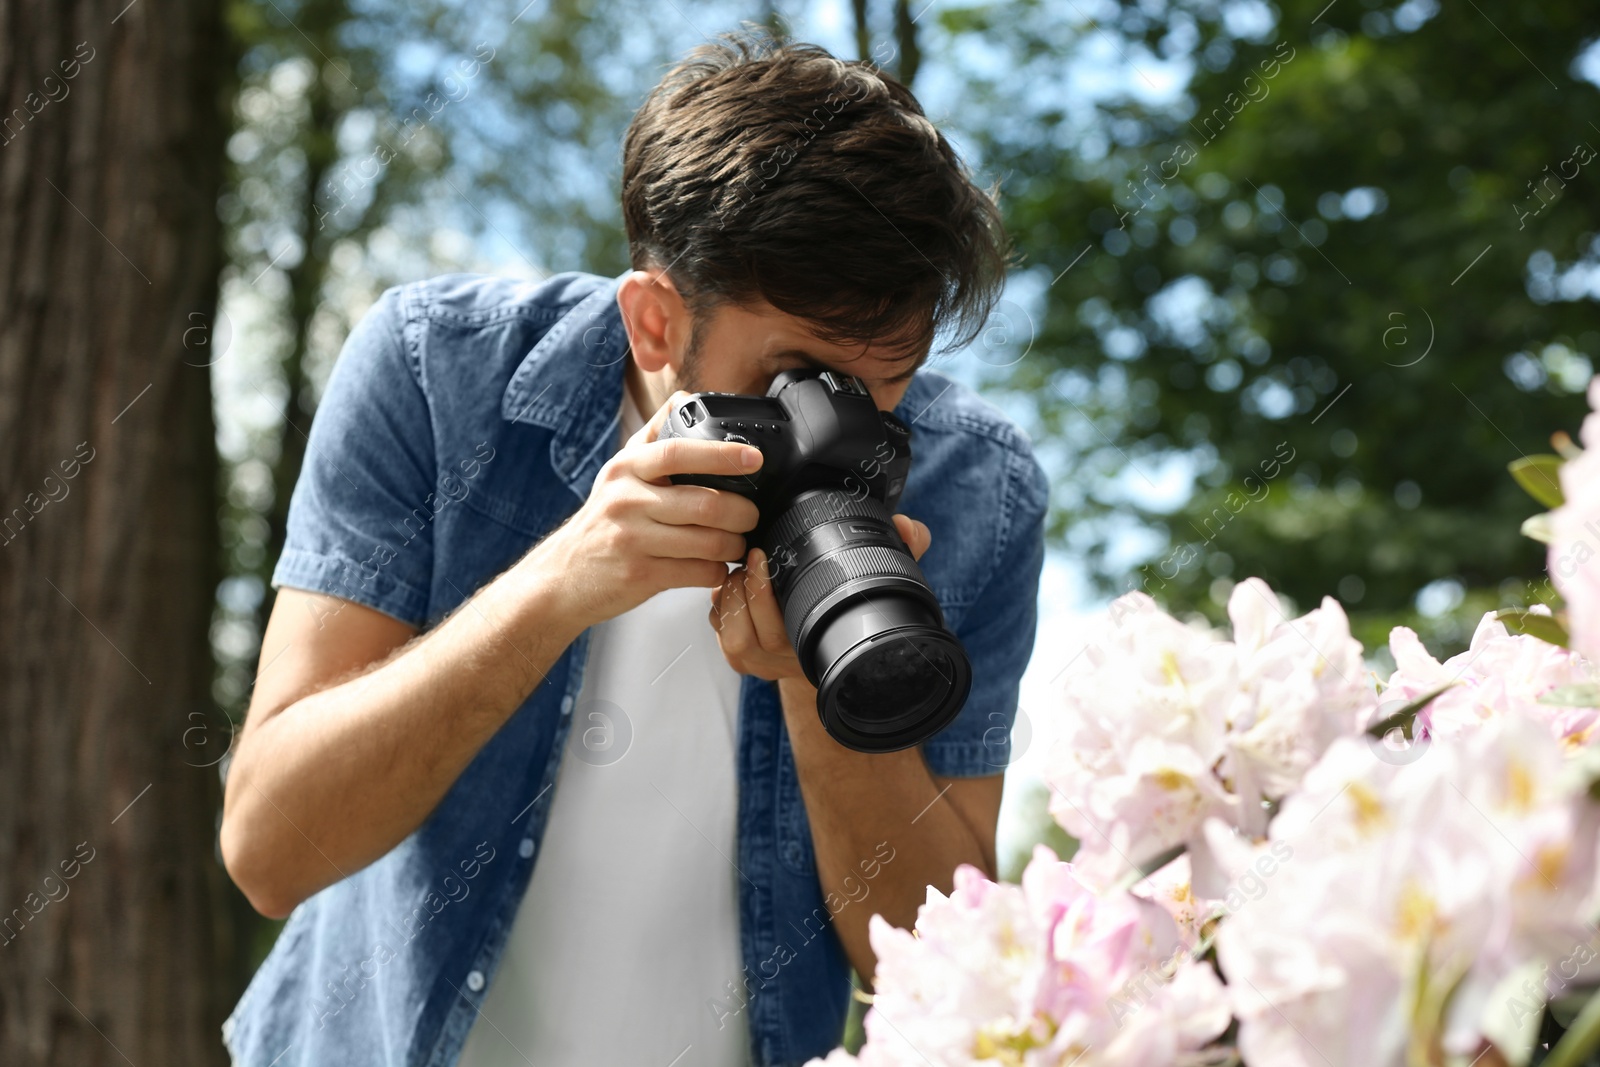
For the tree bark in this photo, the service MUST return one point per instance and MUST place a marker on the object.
(113, 907)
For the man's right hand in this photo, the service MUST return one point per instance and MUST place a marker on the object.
(354, 735)
(639, 533)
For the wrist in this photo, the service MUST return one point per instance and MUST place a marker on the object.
(806, 732)
(797, 690)
(544, 596)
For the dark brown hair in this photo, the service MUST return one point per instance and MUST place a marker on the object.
(767, 170)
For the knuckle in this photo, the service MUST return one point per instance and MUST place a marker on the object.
(620, 467)
(703, 508)
(616, 504)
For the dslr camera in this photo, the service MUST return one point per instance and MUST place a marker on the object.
(867, 628)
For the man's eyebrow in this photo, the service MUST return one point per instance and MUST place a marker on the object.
(811, 361)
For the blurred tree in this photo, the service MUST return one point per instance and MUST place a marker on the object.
(113, 913)
(378, 144)
(1339, 273)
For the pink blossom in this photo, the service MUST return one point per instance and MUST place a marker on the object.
(1406, 880)
(1500, 674)
(1167, 725)
(1575, 535)
(1045, 972)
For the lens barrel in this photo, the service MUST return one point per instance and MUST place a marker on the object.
(867, 628)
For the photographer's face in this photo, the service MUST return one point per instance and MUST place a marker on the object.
(734, 349)
(740, 350)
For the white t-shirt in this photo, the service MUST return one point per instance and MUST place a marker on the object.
(629, 932)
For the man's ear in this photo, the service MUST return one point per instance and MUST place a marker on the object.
(656, 318)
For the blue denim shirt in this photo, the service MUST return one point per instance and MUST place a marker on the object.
(466, 418)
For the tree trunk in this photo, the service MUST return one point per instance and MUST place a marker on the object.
(905, 35)
(113, 913)
(321, 23)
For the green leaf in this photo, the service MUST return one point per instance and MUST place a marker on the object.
(1540, 476)
(1150, 866)
(1546, 628)
(1538, 527)
(1581, 1038)
(1406, 717)
(1583, 695)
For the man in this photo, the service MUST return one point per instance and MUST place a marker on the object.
(527, 794)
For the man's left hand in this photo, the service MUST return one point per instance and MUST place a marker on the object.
(749, 623)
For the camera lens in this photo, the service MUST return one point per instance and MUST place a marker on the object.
(867, 628)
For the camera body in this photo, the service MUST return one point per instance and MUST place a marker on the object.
(815, 429)
(864, 623)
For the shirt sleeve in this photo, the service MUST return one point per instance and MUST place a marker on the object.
(998, 633)
(360, 519)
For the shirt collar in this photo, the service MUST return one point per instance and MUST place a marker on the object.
(571, 382)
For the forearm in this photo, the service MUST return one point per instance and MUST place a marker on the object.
(854, 801)
(338, 778)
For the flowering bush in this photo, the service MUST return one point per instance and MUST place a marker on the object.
(1574, 528)
(1414, 891)
(1171, 725)
(1501, 675)
(1047, 972)
(1282, 861)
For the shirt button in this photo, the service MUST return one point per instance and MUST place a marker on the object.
(566, 705)
(475, 981)
(526, 848)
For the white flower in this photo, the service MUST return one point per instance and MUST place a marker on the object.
(1500, 674)
(1302, 685)
(1171, 887)
(1042, 973)
(1167, 726)
(1412, 891)
(1575, 535)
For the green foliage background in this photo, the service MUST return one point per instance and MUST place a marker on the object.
(1342, 266)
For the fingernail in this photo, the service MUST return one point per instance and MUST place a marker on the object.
(750, 456)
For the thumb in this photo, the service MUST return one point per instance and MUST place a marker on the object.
(652, 428)
(914, 534)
